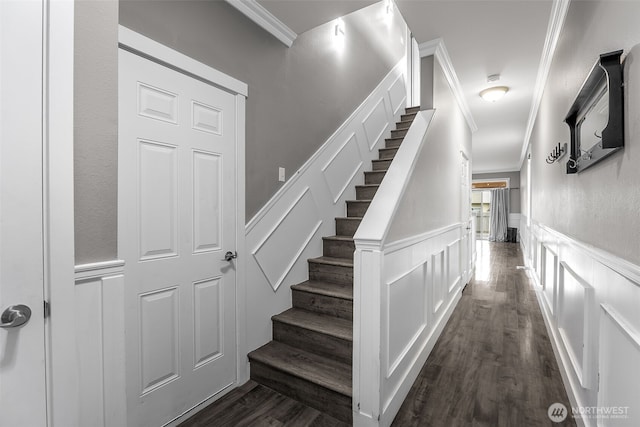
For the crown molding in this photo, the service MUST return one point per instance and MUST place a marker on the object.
(265, 19)
(437, 48)
(559, 11)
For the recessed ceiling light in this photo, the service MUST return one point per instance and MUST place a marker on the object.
(492, 94)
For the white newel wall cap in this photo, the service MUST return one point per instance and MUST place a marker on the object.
(376, 222)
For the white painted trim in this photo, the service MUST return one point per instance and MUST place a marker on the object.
(557, 17)
(502, 170)
(99, 269)
(265, 19)
(621, 266)
(382, 87)
(479, 181)
(437, 48)
(409, 241)
(61, 359)
(151, 49)
(376, 222)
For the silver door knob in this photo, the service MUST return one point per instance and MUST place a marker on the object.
(14, 316)
(230, 255)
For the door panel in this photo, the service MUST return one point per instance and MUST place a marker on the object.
(22, 353)
(177, 219)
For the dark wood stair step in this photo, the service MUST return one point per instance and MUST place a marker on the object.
(405, 124)
(346, 226)
(411, 110)
(330, 269)
(357, 207)
(316, 381)
(396, 133)
(324, 297)
(406, 117)
(373, 177)
(381, 164)
(338, 246)
(393, 142)
(317, 333)
(366, 192)
(387, 153)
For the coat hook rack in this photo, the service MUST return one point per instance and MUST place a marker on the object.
(558, 152)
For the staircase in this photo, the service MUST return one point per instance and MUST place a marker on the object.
(310, 357)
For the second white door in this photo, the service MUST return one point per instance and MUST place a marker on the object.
(177, 191)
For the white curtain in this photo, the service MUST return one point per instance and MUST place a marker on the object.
(499, 215)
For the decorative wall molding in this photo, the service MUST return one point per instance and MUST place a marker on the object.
(597, 364)
(559, 11)
(99, 327)
(437, 48)
(288, 229)
(348, 127)
(265, 19)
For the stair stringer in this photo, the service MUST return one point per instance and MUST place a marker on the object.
(289, 228)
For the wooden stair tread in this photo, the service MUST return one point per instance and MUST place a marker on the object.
(359, 201)
(322, 323)
(343, 262)
(325, 288)
(339, 238)
(368, 185)
(319, 370)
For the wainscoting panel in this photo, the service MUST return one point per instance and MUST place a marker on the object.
(99, 328)
(550, 278)
(619, 362)
(453, 264)
(288, 229)
(595, 323)
(285, 243)
(439, 281)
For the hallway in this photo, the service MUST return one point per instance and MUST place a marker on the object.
(492, 366)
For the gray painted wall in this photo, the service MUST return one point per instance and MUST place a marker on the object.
(95, 130)
(600, 206)
(426, 82)
(514, 183)
(298, 96)
(432, 199)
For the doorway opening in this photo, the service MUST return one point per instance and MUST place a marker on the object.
(481, 204)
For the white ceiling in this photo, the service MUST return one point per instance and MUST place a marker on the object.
(482, 37)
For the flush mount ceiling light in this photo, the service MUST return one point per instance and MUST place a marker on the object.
(492, 94)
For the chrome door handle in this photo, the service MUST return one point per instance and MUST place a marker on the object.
(230, 255)
(14, 316)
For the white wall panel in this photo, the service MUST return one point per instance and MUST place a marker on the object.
(208, 320)
(284, 244)
(439, 280)
(207, 201)
(397, 94)
(342, 167)
(406, 313)
(99, 327)
(550, 278)
(375, 124)
(598, 349)
(159, 338)
(453, 265)
(619, 373)
(158, 209)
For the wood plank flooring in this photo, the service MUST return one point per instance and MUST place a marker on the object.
(492, 366)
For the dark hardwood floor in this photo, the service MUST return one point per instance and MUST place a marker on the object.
(492, 366)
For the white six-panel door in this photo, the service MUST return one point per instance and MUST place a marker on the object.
(177, 219)
(22, 348)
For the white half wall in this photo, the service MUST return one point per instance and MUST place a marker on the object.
(589, 299)
(288, 229)
(99, 330)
